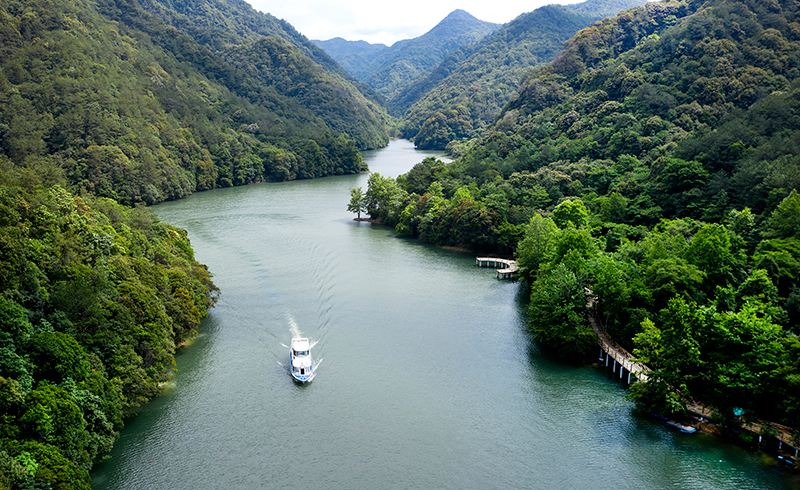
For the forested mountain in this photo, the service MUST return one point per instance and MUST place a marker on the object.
(405, 61)
(390, 70)
(134, 109)
(655, 163)
(354, 56)
(221, 23)
(464, 94)
(236, 32)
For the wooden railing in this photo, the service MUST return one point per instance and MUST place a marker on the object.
(613, 349)
(506, 268)
(786, 435)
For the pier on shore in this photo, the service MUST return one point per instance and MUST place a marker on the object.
(506, 268)
(612, 352)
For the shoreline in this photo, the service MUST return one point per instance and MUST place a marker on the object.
(766, 445)
(451, 248)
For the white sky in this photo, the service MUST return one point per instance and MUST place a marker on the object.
(386, 22)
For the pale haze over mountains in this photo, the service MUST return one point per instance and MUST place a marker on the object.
(386, 23)
(451, 82)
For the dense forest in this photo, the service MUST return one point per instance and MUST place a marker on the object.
(138, 111)
(298, 69)
(95, 299)
(464, 94)
(653, 162)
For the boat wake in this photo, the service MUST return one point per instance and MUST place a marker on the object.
(293, 327)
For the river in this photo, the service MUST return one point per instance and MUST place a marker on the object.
(428, 378)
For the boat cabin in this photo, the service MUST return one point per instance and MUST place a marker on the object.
(300, 347)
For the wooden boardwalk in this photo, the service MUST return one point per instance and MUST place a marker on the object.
(785, 435)
(626, 361)
(612, 349)
(505, 268)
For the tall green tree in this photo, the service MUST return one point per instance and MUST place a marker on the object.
(784, 222)
(384, 199)
(49, 415)
(557, 315)
(711, 251)
(572, 212)
(534, 249)
(744, 356)
(674, 353)
(357, 202)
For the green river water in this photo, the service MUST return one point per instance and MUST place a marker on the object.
(428, 378)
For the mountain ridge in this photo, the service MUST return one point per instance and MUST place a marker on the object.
(462, 96)
(390, 68)
(166, 116)
(230, 25)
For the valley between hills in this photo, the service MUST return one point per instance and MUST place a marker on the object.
(645, 151)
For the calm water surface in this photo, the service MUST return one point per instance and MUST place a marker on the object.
(428, 378)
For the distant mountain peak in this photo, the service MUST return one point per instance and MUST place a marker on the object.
(459, 14)
(388, 70)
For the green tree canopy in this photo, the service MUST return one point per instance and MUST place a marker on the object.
(57, 357)
(557, 314)
(784, 222)
(357, 202)
(534, 249)
(572, 212)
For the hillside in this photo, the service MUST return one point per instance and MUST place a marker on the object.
(655, 163)
(405, 61)
(95, 298)
(131, 108)
(391, 69)
(717, 86)
(465, 93)
(356, 57)
(232, 29)
(220, 23)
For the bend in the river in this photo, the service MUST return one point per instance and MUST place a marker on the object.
(429, 378)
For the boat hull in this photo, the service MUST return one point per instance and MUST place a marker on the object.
(686, 429)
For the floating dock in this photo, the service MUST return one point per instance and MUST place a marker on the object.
(506, 268)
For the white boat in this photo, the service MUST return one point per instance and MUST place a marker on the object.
(688, 429)
(301, 365)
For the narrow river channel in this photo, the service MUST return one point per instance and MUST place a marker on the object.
(428, 379)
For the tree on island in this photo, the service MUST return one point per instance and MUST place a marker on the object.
(358, 203)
